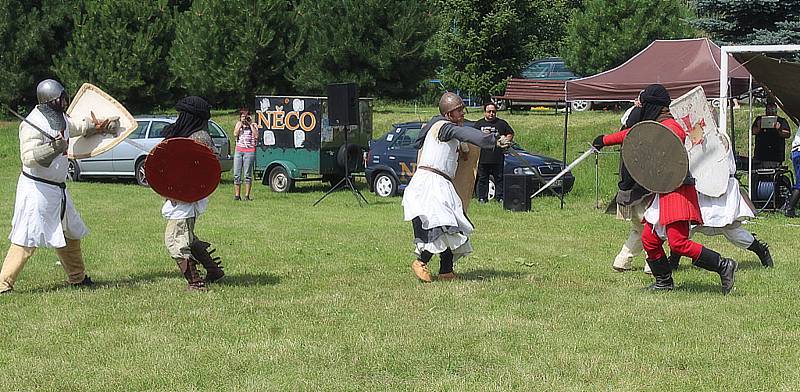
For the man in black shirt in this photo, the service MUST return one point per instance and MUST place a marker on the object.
(771, 133)
(492, 159)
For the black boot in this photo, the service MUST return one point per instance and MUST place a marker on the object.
(792, 203)
(674, 260)
(662, 273)
(726, 268)
(761, 249)
(212, 264)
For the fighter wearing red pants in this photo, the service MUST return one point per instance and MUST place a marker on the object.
(671, 214)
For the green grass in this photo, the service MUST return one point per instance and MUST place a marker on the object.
(322, 298)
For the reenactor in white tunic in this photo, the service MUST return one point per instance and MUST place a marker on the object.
(44, 214)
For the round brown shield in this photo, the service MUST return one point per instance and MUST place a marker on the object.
(182, 169)
(655, 157)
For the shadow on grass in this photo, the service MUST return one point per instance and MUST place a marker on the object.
(699, 287)
(245, 280)
(489, 274)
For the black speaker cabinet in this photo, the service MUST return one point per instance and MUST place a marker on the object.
(343, 104)
(517, 191)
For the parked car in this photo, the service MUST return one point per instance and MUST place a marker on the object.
(392, 161)
(127, 158)
(551, 68)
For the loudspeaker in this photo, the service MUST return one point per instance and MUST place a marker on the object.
(343, 104)
(517, 191)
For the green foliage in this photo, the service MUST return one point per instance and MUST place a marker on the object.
(120, 45)
(225, 50)
(382, 46)
(607, 32)
(482, 43)
(756, 22)
(31, 33)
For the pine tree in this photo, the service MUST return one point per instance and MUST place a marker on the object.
(380, 45)
(750, 22)
(120, 46)
(33, 33)
(482, 43)
(227, 50)
(605, 33)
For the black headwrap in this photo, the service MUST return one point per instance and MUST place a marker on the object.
(193, 115)
(654, 98)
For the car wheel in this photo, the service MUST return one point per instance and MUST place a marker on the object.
(385, 185)
(581, 106)
(73, 171)
(491, 192)
(279, 180)
(141, 179)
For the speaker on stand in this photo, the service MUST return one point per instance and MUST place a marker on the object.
(342, 114)
(517, 191)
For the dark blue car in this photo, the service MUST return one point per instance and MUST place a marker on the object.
(392, 160)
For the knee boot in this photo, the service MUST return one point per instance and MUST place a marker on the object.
(674, 261)
(212, 264)
(726, 268)
(15, 260)
(662, 273)
(188, 268)
(791, 204)
(71, 258)
(761, 249)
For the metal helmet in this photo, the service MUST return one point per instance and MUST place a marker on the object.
(49, 90)
(449, 102)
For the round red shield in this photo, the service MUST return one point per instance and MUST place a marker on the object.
(182, 169)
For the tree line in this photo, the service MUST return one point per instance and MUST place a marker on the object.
(148, 53)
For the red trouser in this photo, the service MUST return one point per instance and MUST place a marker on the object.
(678, 237)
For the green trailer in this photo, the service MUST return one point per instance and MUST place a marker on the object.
(297, 142)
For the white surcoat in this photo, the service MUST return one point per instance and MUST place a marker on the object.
(38, 206)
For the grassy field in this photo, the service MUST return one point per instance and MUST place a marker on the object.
(323, 298)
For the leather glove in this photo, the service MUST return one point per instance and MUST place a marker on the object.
(59, 145)
(598, 142)
(504, 142)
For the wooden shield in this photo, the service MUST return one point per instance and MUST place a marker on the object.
(655, 157)
(182, 169)
(91, 99)
(464, 180)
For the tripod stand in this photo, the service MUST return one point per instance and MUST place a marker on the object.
(346, 181)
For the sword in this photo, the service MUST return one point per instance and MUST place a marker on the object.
(566, 169)
(31, 124)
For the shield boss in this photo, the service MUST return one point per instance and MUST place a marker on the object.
(182, 169)
(655, 157)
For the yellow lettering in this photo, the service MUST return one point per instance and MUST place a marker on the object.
(308, 121)
(263, 120)
(405, 171)
(277, 120)
(288, 122)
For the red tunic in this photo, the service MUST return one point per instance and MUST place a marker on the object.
(680, 204)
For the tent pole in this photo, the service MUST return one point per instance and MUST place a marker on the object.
(564, 156)
(733, 125)
(750, 143)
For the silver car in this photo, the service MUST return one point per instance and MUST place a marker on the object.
(127, 158)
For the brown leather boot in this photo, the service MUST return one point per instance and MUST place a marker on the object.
(421, 270)
(212, 264)
(188, 268)
(447, 276)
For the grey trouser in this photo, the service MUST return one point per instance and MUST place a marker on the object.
(243, 162)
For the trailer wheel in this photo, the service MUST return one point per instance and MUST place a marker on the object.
(350, 153)
(279, 180)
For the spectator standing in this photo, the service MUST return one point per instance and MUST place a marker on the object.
(492, 159)
(246, 134)
(770, 135)
(789, 209)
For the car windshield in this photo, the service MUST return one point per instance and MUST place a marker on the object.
(536, 71)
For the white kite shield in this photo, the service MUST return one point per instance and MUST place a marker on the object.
(706, 145)
(91, 100)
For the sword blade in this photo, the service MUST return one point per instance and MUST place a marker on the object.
(527, 165)
(566, 169)
(31, 124)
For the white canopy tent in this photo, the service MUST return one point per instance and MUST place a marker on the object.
(723, 87)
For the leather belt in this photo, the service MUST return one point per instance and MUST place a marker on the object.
(61, 185)
(437, 171)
